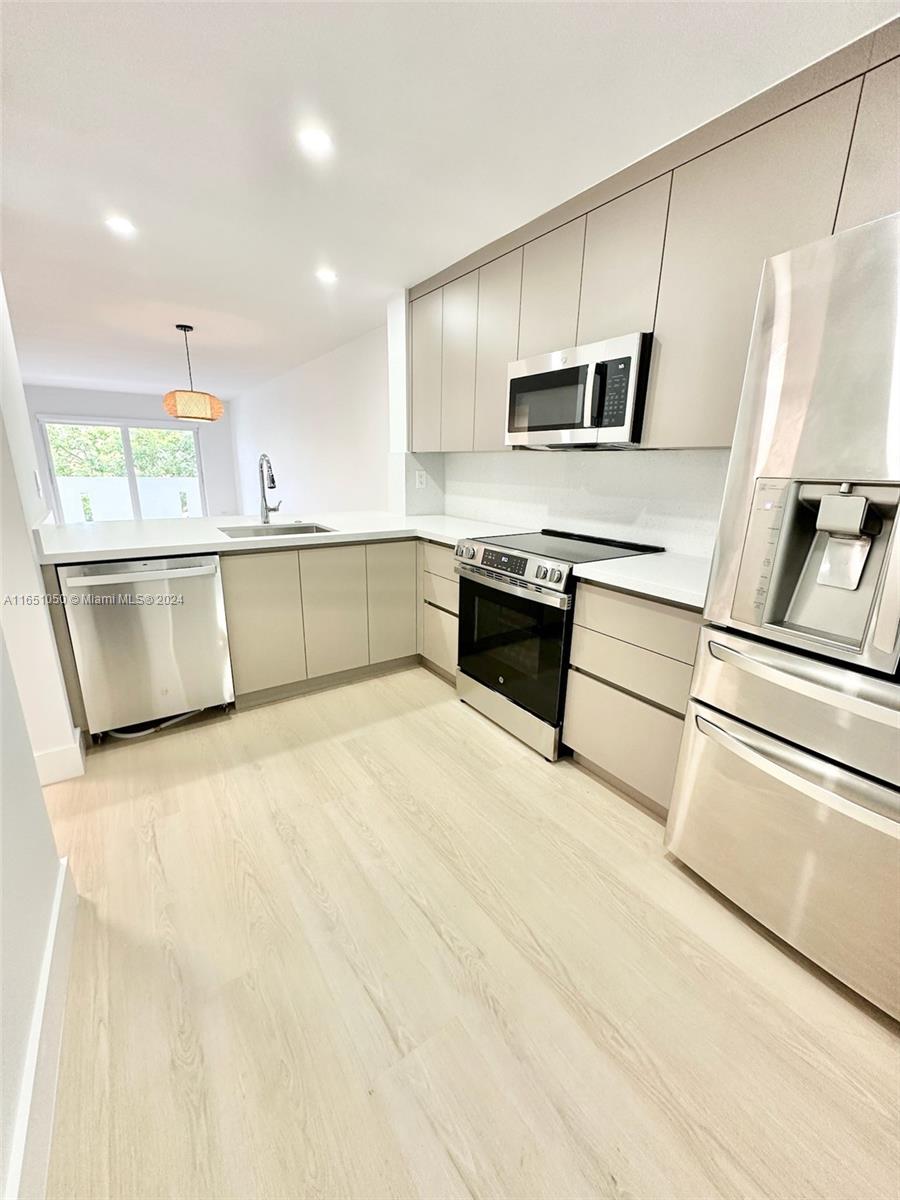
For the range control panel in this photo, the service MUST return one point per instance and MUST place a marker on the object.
(524, 569)
(504, 561)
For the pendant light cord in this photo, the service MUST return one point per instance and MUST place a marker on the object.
(187, 351)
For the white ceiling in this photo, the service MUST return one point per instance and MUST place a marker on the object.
(453, 123)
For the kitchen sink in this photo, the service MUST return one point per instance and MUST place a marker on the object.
(283, 529)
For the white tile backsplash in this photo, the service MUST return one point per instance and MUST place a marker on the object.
(670, 497)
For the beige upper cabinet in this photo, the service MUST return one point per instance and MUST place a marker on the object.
(623, 251)
(768, 191)
(458, 362)
(335, 609)
(551, 285)
(499, 293)
(265, 619)
(425, 316)
(391, 576)
(872, 185)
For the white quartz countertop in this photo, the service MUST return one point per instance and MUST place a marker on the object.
(101, 540)
(678, 578)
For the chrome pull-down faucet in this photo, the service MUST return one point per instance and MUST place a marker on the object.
(266, 480)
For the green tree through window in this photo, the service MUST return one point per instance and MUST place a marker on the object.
(86, 450)
(163, 453)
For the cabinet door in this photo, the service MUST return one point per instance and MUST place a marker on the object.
(440, 638)
(335, 611)
(458, 362)
(872, 185)
(391, 576)
(499, 293)
(768, 191)
(265, 619)
(551, 284)
(623, 249)
(425, 316)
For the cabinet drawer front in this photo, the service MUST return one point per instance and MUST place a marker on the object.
(625, 737)
(264, 617)
(333, 580)
(663, 680)
(440, 638)
(440, 591)
(659, 627)
(789, 837)
(438, 560)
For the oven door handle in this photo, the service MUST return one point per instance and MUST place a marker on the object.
(528, 591)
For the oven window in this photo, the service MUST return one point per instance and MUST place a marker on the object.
(514, 646)
(551, 400)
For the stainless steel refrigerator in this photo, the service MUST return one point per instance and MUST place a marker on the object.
(786, 796)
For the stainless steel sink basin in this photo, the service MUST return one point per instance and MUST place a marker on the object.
(281, 530)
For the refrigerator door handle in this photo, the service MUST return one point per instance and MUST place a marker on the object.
(874, 701)
(887, 616)
(816, 778)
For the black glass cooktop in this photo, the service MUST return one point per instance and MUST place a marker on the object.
(569, 547)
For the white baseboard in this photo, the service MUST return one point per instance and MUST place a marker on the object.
(30, 1150)
(63, 762)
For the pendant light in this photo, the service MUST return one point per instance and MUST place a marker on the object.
(188, 404)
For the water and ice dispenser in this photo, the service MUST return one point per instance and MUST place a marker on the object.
(814, 567)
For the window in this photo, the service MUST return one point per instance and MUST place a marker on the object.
(119, 471)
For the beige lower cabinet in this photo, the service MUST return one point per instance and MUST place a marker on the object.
(265, 619)
(627, 738)
(335, 608)
(391, 578)
(440, 633)
(440, 591)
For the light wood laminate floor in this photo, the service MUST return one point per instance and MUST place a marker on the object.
(364, 944)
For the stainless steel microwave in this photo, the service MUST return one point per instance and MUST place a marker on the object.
(588, 396)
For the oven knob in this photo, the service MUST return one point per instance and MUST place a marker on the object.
(541, 573)
(459, 550)
(555, 575)
(469, 551)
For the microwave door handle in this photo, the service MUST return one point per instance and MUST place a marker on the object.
(817, 779)
(589, 420)
(815, 681)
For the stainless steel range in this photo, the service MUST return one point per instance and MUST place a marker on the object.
(787, 796)
(515, 626)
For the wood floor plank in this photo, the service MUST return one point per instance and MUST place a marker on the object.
(364, 944)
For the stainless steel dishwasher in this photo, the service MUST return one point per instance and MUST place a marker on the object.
(149, 638)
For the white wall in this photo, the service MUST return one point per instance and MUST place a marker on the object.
(26, 627)
(28, 886)
(325, 427)
(216, 447)
(668, 497)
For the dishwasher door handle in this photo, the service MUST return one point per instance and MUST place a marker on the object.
(126, 577)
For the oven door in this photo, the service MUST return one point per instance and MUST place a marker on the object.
(515, 641)
(550, 405)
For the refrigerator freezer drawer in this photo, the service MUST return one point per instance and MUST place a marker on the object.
(810, 850)
(829, 709)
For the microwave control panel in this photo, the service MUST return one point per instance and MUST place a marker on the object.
(613, 390)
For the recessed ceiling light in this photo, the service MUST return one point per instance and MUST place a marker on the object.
(315, 142)
(326, 275)
(121, 226)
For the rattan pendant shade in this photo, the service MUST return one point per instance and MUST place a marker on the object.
(187, 404)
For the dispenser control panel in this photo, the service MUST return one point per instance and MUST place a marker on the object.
(760, 545)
